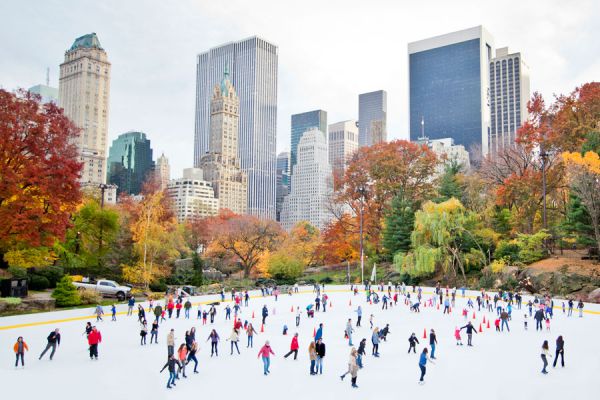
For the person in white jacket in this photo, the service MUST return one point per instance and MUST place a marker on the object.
(234, 338)
(352, 367)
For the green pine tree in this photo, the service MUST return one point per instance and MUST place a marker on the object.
(399, 223)
(449, 185)
(66, 293)
(578, 223)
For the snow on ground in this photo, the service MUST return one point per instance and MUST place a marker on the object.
(499, 366)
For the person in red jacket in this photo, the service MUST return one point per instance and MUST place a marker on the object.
(94, 338)
(237, 325)
(293, 347)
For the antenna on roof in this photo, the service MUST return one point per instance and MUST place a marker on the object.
(47, 76)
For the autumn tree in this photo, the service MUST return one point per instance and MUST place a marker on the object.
(244, 238)
(39, 171)
(339, 241)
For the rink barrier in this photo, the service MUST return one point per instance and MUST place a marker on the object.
(107, 315)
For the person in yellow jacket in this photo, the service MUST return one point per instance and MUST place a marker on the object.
(20, 348)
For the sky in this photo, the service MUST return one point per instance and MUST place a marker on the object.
(329, 52)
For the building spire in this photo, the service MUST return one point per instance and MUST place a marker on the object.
(224, 88)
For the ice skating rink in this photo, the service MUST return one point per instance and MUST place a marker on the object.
(499, 366)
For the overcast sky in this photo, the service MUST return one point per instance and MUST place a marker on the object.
(329, 51)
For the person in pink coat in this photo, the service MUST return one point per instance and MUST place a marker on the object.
(265, 352)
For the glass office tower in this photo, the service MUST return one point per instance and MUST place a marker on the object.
(372, 118)
(302, 123)
(130, 162)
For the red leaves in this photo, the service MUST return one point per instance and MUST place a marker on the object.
(39, 170)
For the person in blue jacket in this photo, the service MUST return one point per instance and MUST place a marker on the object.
(319, 333)
(265, 314)
(422, 364)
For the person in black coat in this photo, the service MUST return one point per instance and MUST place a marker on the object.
(560, 349)
(539, 317)
(412, 340)
(320, 349)
(470, 329)
(265, 314)
(54, 341)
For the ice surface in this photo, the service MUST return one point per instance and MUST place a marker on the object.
(499, 366)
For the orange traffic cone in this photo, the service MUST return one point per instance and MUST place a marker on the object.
(449, 310)
(252, 314)
(262, 328)
(438, 306)
(484, 319)
(314, 332)
(488, 324)
(480, 330)
(473, 314)
(330, 304)
(424, 333)
(350, 303)
(292, 310)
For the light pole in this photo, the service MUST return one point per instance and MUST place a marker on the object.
(544, 157)
(102, 187)
(363, 194)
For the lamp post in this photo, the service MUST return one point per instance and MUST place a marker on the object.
(363, 194)
(102, 187)
(544, 157)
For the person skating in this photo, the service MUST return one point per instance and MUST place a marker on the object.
(352, 367)
(171, 364)
(171, 342)
(20, 348)
(158, 310)
(130, 304)
(178, 307)
(94, 339)
(265, 314)
(141, 313)
(412, 343)
(53, 342)
(504, 318)
(432, 343)
(384, 332)
(293, 347)
(545, 354)
(361, 352)
(154, 332)
(99, 313)
(457, 336)
(88, 329)
(580, 308)
(192, 356)
(312, 356)
(182, 353)
(113, 312)
(143, 333)
(320, 348)
(265, 352)
(234, 338)
(470, 329)
(422, 364)
(214, 341)
(570, 308)
(371, 318)
(560, 350)
(375, 342)
(358, 312)
(349, 331)
(525, 321)
(539, 317)
(250, 331)
(319, 333)
(187, 307)
(298, 313)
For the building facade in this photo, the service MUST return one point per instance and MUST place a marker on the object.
(449, 87)
(311, 184)
(372, 118)
(162, 170)
(252, 66)
(343, 143)
(48, 94)
(192, 196)
(130, 162)
(509, 94)
(83, 92)
(283, 180)
(221, 165)
(302, 123)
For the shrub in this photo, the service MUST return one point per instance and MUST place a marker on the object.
(11, 300)
(326, 280)
(508, 251)
(89, 296)
(52, 273)
(509, 284)
(66, 293)
(158, 286)
(285, 268)
(17, 272)
(38, 282)
(487, 281)
(497, 266)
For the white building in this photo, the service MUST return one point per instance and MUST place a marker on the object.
(83, 92)
(509, 94)
(448, 152)
(192, 196)
(343, 143)
(163, 171)
(311, 183)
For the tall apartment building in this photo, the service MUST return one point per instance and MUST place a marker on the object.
(302, 123)
(311, 184)
(449, 87)
(372, 118)
(283, 180)
(163, 171)
(84, 88)
(221, 165)
(509, 94)
(192, 196)
(343, 143)
(48, 94)
(130, 162)
(252, 66)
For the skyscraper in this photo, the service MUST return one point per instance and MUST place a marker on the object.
(302, 123)
(47, 93)
(283, 180)
(192, 196)
(163, 171)
(84, 88)
(221, 165)
(343, 142)
(130, 162)
(372, 118)
(311, 184)
(509, 94)
(252, 66)
(449, 87)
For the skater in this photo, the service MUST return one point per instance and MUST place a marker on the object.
(53, 342)
(446, 306)
(371, 320)
(525, 321)
(570, 308)
(227, 312)
(20, 348)
(320, 348)
(361, 352)
(94, 338)
(113, 311)
(375, 341)
(171, 342)
(178, 307)
(141, 313)
(213, 314)
(497, 324)
(319, 333)
(457, 336)
(154, 332)
(580, 308)
(312, 355)
(412, 340)
(352, 367)
(265, 352)
(432, 343)
(99, 313)
(182, 356)
(539, 317)
(560, 350)
(172, 363)
(548, 324)
(545, 354)
(384, 332)
(143, 333)
(358, 312)
(234, 338)
(214, 340)
(88, 329)
(470, 329)
(504, 318)
(265, 314)
(158, 310)
(298, 316)
(422, 364)
(293, 347)
(187, 307)
(130, 304)
(250, 331)
(349, 331)
(192, 356)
